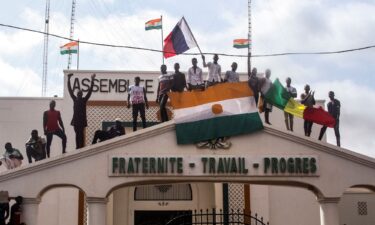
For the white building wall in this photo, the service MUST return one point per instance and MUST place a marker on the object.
(349, 210)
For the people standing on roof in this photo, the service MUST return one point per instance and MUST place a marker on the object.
(35, 147)
(79, 120)
(12, 158)
(267, 107)
(214, 71)
(137, 99)
(53, 125)
(113, 131)
(334, 107)
(195, 77)
(179, 80)
(253, 83)
(165, 83)
(308, 100)
(293, 93)
(232, 76)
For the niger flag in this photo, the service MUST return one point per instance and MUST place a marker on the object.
(222, 110)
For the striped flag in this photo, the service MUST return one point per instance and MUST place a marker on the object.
(153, 24)
(71, 47)
(278, 96)
(222, 110)
(179, 40)
(240, 43)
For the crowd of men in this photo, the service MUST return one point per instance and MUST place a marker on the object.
(38, 148)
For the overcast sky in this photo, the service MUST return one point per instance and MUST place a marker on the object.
(278, 26)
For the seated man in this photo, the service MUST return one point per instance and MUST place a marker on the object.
(113, 131)
(35, 147)
(12, 158)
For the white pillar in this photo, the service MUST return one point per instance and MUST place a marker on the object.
(97, 210)
(30, 211)
(329, 211)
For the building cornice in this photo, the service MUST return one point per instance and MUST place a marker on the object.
(167, 127)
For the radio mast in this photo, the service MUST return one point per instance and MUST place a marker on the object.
(45, 49)
(72, 19)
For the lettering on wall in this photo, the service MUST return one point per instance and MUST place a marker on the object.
(110, 85)
(217, 165)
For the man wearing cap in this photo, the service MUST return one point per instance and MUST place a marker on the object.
(333, 106)
(113, 131)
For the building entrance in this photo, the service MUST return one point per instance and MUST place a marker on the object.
(158, 217)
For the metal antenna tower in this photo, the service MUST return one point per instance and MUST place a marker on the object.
(72, 19)
(250, 40)
(45, 49)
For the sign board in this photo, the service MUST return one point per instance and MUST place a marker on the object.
(291, 165)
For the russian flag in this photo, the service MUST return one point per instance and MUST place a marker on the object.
(179, 40)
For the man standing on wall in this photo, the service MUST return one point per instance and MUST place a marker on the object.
(165, 83)
(253, 83)
(138, 100)
(79, 120)
(214, 70)
(308, 100)
(195, 77)
(53, 125)
(333, 106)
(232, 76)
(267, 107)
(179, 80)
(289, 117)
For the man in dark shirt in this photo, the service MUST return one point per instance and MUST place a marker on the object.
(179, 80)
(333, 109)
(79, 120)
(53, 125)
(113, 131)
(253, 83)
(15, 212)
(308, 100)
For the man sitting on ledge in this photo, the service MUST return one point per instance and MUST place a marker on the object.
(12, 157)
(113, 131)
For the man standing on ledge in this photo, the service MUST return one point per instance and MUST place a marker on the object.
(164, 87)
(214, 71)
(53, 125)
(195, 77)
(137, 99)
(79, 120)
(179, 80)
(333, 109)
(289, 117)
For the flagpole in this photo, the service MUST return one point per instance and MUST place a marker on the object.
(200, 51)
(249, 39)
(78, 55)
(162, 40)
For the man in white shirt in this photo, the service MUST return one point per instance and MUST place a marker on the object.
(214, 70)
(138, 100)
(232, 76)
(267, 107)
(195, 78)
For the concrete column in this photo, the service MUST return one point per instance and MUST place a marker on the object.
(30, 211)
(329, 211)
(97, 210)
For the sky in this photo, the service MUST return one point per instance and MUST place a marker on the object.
(277, 26)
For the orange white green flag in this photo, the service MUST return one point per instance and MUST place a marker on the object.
(69, 48)
(222, 110)
(240, 43)
(153, 24)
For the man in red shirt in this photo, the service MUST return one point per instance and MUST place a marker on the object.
(53, 125)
